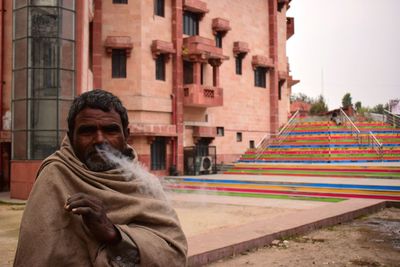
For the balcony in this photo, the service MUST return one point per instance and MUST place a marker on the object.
(289, 27)
(262, 61)
(202, 96)
(204, 131)
(159, 47)
(118, 42)
(199, 48)
(220, 25)
(240, 48)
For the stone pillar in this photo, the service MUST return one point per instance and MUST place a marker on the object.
(177, 84)
(273, 72)
(216, 76)
(197, 73)
(97, 44)
(215, 63)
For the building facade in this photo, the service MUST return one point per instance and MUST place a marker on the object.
(202, 80)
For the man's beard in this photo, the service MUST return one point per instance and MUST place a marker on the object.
(102, 157)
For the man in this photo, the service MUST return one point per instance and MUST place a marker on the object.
(86, 209)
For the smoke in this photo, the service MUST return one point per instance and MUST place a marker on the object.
(149, 184)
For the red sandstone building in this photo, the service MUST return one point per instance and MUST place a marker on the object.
(202, 80)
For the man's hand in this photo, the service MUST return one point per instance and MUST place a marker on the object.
(94, 216)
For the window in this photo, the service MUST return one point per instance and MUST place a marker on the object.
(158, 151)
(280, 85)
(220, 131)
(238, 63)
(120, 1)
(239, 137)
(203, 66)
(118, 63)
(218, 39)
(190, 23)
(159, 8)
(260, 74)
(251, 144)
(160, 68)
(187, 72)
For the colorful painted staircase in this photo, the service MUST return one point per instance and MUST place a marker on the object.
(316, 161)
(325, 142)
(294, 189)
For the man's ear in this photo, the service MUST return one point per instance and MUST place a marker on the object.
(127, 133)
(69, 136)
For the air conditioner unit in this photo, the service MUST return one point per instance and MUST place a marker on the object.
(206, 163)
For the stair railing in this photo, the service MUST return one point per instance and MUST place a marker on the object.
(276, 138)
(392, 119)
(372, 141)
(349, 124)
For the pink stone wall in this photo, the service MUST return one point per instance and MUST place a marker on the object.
(128, 23)
(84, 76)
(246, 107)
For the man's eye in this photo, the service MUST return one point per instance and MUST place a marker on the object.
(86, 130)
(112, 129)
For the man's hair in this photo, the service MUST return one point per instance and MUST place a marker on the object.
(97, 99)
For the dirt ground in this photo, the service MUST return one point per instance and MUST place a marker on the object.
(10, 217)
(370, 241)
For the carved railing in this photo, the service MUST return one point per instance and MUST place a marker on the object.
(276, 138)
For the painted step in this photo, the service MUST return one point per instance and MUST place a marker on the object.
(329, 192)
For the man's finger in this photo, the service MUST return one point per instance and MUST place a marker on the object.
(81, 196)
(82, 211)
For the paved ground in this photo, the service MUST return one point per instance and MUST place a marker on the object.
(372, 241)
(221, 226)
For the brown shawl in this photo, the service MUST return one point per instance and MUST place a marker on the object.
(50, 236)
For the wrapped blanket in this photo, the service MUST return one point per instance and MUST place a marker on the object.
(51, 236)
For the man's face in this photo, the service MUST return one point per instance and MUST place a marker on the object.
(96, 133)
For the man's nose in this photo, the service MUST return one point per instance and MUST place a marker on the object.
(99, 137)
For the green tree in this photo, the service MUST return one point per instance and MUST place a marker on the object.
(319, 106)
(358, 105)
(301, 97)
(378, 109)
(346, 100)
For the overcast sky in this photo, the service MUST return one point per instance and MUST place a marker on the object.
(342, 46)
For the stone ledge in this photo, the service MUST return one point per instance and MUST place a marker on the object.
(159, 47)
(195, 6)
(262, 61)
(118, 42)
(221, 243)
(240, 48)
(220, 25)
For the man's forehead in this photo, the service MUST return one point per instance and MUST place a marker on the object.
(94, 114)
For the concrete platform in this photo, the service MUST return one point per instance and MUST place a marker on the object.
(221, 243)
(298, 217)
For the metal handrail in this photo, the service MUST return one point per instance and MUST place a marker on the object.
(354, 130)
(373, 142)
(371, 138)
(270, 138)
(392, 119)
